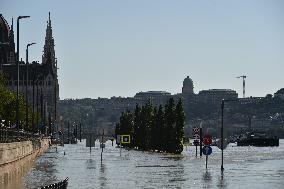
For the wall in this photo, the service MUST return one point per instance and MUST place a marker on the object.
(17, 157)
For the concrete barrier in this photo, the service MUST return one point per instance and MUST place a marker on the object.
(17, 157)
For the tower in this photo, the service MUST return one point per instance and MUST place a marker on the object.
(49, 63)
(48, 56)
(187, 87)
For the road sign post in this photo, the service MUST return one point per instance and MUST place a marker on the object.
(207, 150)
(196, 137)
(90, 141)
(102, 145)
(196, 142)
(118, 141)
(200, 134)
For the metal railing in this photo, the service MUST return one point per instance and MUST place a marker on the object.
(11, 135)
(59, 185)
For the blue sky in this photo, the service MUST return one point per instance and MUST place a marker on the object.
(120, 47)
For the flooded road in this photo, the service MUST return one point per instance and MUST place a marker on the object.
(245, 167)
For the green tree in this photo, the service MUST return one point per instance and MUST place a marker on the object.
(160, 123)
(8, 101)
(137, 137)
(146, 125)
(154, 129)
(179, 126)
(170, 126)
(126, 125)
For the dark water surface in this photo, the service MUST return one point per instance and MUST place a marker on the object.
(245, 167)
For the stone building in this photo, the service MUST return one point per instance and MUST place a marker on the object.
(155, 97)
(214, 96)
(42, 79)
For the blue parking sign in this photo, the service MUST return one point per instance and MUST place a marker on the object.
(206, 150)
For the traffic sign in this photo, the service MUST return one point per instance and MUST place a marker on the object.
(206, 150)
(195, 129)
(207, 139)
(90, 140)
(125, 139)
(196, 142)
(196, 136)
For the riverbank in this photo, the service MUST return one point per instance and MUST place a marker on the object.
(16, 158)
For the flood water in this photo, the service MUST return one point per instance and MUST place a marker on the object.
(245, 167)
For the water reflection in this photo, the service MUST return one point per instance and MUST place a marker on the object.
(43, 172)
(207, 178)
(90, 164)
(222, 181)
(102, 177)
(11, 176)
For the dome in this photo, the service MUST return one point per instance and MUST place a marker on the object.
(187, 87)
(4, 30)
(187, 81)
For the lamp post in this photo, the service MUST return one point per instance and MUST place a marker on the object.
(27, 80)
(222, 134)
(37, 104)
(222, 130)
(18, 71)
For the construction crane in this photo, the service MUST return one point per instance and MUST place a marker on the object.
(244, 84)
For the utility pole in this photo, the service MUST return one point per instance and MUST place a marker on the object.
(244, 84)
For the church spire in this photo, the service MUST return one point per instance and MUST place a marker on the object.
(48, 56)
(11, 33)
(12, 25)
(49, 18)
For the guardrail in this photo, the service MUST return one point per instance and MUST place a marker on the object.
(59, 185)
(10, 135)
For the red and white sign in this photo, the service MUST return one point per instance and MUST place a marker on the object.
(207, 140)
(196, 136)
(195, 130)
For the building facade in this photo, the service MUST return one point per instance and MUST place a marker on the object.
(41, 78)
(215, 96)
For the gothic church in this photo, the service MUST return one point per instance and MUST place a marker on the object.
(42, 79)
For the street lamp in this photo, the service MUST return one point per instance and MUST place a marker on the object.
(18, 70)
(222, 129)
(27, 79)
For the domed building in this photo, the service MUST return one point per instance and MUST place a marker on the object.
(7, 45)
(187, 87)
(187, 95)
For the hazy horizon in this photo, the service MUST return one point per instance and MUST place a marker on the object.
(111, 48)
